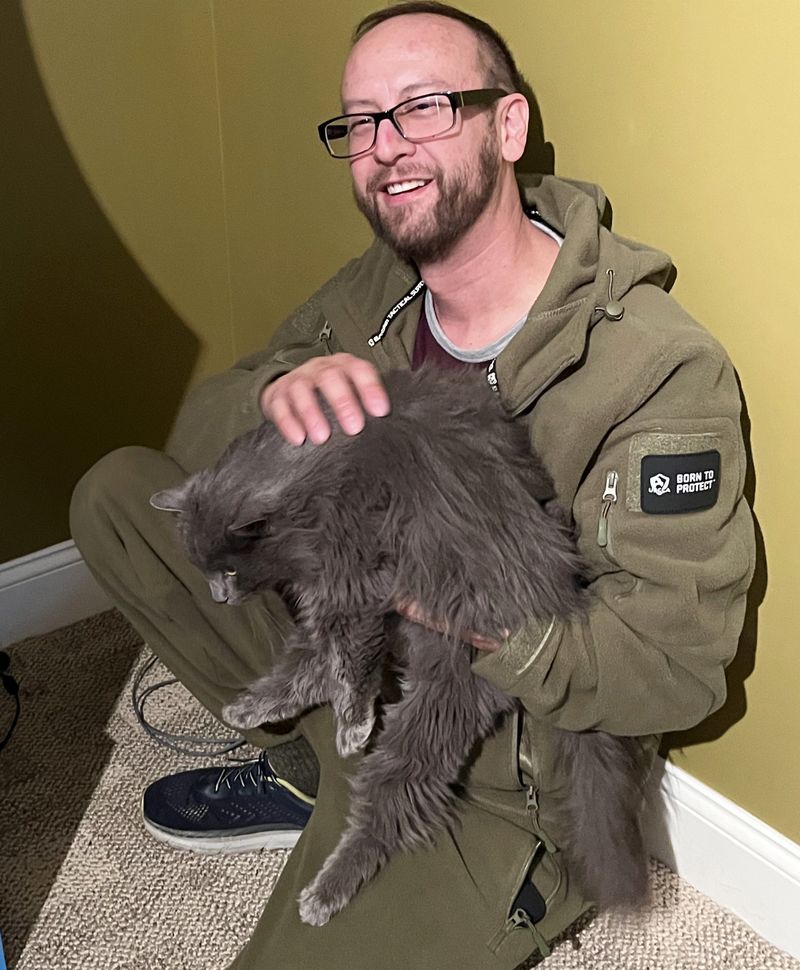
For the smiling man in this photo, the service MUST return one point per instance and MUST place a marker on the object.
(625, 398)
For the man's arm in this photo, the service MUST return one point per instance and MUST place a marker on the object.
(281, 383)
(667, 601)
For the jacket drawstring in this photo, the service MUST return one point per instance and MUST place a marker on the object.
(613, 310)
(415, 290)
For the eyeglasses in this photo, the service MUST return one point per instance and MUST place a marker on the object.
(418, 119)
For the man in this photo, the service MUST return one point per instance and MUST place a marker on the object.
(634, 409)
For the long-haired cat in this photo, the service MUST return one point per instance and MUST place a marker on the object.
(441, 503)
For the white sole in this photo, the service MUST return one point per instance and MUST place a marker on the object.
(225, 845)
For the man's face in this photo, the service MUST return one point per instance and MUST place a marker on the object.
(421, 198)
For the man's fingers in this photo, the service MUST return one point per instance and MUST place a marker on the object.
(411, 610)
(304, 403)
(285, 420)
(336, 387)
(371, 391)
(349, 385)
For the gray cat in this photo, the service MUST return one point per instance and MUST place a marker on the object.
(440, 502)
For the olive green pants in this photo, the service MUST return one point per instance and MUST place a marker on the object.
(445, 908)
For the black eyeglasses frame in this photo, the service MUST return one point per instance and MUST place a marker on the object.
(457, 99)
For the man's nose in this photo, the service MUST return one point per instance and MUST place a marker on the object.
(390, 144)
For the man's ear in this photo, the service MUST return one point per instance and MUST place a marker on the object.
(171, 499)
(513, 126)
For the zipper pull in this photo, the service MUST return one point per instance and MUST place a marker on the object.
(609, 498)
(520, 918)
(517, 919)
(325, 335)
(532, 807)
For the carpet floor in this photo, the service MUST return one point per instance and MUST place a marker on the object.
(84, 888)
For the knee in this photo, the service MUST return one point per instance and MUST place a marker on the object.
(123, 479)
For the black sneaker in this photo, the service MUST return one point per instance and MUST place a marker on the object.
(235, 809)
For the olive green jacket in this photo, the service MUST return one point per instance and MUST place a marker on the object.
(599, 394)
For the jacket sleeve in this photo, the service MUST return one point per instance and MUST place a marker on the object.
(227, 404)
(667, 600)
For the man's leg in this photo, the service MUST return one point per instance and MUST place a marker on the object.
(444, 908)
(212, 648)
(132, 549)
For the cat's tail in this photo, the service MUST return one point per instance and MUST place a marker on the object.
(604, 800)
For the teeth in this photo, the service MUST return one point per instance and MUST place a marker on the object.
(397, 187)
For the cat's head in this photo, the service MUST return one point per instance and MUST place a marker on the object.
(240, 544)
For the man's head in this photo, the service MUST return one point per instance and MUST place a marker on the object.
(496, 61)
(423, 196)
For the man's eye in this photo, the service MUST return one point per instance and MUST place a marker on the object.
(360, 123)
(428, 106)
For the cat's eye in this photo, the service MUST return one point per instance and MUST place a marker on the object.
(230, 572)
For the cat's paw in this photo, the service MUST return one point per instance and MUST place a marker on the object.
(318, 904)
(351, 738)
(250, 709)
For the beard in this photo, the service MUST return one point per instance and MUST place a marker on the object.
(463, 196)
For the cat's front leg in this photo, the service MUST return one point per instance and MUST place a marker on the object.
(358, 651)
(300, 681)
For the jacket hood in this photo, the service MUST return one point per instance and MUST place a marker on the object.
(595, 267)
(592, 275)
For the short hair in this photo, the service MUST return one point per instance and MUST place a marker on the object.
(497, 60)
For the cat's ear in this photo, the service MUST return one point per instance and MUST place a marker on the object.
(258, 528)
(171, 499)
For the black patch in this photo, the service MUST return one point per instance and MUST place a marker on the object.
(680, 483)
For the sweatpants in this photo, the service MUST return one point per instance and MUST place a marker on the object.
(444, 908)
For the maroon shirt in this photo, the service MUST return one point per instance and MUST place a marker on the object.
(428, 350)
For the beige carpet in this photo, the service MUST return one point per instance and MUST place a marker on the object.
(84, 888)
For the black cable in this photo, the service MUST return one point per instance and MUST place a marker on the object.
(12, 689)
(139, 695)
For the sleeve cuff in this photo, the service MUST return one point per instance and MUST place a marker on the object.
(514, 660)
(261, 379)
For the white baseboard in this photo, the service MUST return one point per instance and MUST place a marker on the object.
(727, 854)
(46, 590)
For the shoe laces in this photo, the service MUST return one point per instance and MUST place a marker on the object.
(252, 774)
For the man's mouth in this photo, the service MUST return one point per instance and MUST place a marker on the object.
(398, 188)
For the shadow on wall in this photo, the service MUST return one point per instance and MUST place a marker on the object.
(743, 663)
(92, 356)
(539, 157)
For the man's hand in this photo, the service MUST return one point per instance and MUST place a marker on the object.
(350, 385)
(414, 612)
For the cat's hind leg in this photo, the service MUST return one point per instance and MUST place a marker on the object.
(403, 794)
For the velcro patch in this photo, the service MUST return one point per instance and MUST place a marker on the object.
(679, 483)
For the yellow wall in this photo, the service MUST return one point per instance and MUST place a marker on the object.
(177, 205)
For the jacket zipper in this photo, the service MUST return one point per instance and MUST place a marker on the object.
(325, 336)
(609, 498)
(532, 806)
(519, 918)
